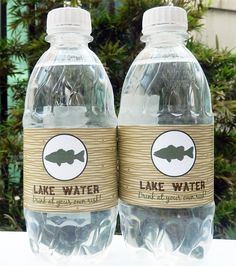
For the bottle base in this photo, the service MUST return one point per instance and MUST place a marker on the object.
(171, 235)
(62, 237)
(162, 259)
(73, 260)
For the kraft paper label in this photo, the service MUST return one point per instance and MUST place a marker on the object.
(167, 166)
(70, 170)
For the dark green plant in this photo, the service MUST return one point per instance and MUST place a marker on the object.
(11, 217)
(116, 32)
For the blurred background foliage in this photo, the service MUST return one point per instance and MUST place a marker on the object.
(116, 32)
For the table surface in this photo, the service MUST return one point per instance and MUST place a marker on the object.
(15, 251)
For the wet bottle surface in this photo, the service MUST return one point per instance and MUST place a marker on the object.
(68, 90)
(165, 86)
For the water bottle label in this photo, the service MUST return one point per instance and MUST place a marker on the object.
(169, 166)
(70, 170)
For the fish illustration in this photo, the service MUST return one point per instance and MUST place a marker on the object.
(171, 152)
(62, 156)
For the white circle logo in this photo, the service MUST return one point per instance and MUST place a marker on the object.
(173, 153)
(65, 157)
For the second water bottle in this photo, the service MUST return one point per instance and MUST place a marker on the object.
(166, 145)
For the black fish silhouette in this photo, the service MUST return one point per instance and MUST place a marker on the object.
(171, 152)
(62, 156)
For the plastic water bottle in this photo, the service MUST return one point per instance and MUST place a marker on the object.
(166, 145)
(70, 180)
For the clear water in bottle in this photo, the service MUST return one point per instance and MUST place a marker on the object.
(165, 91)
(69, 90)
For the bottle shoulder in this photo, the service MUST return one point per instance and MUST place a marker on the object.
(157, 54)
(68, 56)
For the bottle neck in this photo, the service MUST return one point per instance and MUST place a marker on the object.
(68, 39)
(171, 38)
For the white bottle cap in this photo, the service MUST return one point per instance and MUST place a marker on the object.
(69, 19)
(165, 18)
